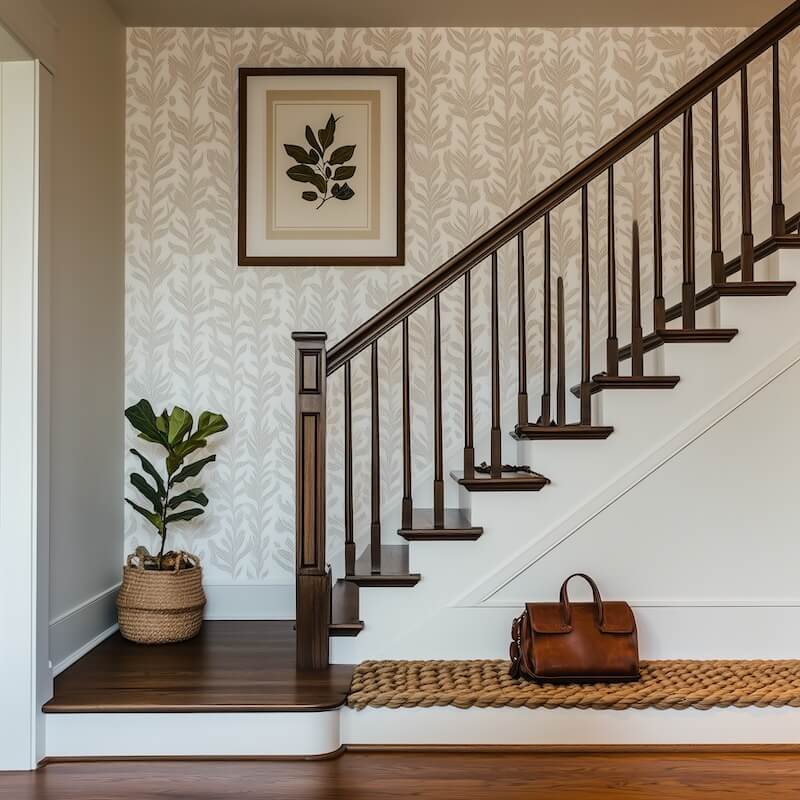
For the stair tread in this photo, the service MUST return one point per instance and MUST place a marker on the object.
(394, 568)
(755, 288)
(604, 381)
(344, 610)
(456, 526)
(787, 240)
(509, 482)
(572, 431)
(674, 335)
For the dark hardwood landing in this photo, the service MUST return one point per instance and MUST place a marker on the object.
(509, 482)
(229, 666)
(755, 288)
(457, 773)
(457, 526)
(344, 610)
(576, 431)
(393, 572)
(679, 335)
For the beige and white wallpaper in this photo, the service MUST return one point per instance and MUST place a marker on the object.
(492, 117)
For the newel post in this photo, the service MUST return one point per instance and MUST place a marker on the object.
(312, 575)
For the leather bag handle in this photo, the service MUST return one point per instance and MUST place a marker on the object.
(566, 609)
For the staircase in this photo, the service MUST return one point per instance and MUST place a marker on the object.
(332, 609)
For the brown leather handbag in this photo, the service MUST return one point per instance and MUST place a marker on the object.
(575, 642)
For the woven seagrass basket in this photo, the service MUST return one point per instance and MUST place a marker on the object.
(157, 607)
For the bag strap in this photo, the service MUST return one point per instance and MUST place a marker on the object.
(566, 609)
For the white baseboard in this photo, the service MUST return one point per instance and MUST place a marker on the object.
(324, 732)
(75, 632)
(570, 726)
(249, 601)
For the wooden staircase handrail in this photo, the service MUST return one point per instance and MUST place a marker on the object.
(621, 145)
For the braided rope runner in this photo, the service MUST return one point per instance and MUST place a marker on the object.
(664, 684)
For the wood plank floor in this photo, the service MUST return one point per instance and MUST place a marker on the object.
(230, 666)
(444, 776)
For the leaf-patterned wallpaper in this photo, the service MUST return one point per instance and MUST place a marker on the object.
(492, 117)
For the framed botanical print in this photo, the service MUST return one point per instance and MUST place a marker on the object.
(321, 167)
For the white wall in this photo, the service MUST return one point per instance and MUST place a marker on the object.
(87, 322)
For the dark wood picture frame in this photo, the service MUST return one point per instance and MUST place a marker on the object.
(398, 259)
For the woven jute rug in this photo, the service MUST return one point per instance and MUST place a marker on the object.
(664, 684)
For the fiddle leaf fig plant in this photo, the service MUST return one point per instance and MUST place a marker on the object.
(167, 501)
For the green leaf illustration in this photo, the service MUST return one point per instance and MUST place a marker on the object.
(342, 154)
(345, 193)
(343, 173)
(327, 133)
(304, 174)
(312, 166)
(300, 155)
(312, 140)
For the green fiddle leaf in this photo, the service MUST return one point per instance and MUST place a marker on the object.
(179, 424)
(191, 470)
(310, 196)
(152, 472)
(184, 516)
(144, 420)
(189, 496)
(153, 518)
(210, 423)
(139, 482)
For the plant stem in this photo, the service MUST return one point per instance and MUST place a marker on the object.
(164, 522)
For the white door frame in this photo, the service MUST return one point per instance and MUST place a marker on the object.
(25, 682)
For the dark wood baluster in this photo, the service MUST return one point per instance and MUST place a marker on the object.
(586, 346)
(496, 441)
(561, 358)
(544, 419)
(659, 306)
(522, 328)
(747, 210)
(637, 346)
(469, 424)
(778, 209)
(408, 503)
(438, 456)
(375, 527)
(717, 257)
(688, 300)
(612, 343)
(349, 540)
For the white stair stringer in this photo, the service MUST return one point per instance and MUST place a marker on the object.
(469, 591)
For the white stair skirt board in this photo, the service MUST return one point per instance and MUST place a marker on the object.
(193, 734)
(735, 542)
(308, 734)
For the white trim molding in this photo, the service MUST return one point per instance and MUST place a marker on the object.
(75, 632)
(249, 600)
